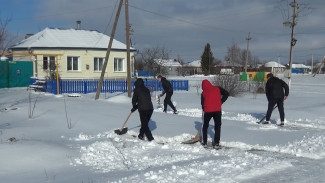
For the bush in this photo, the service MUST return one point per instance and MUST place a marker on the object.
(231, 83)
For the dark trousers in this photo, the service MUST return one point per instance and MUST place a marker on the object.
(217, 126)
(270, 107)
(145, 117)
(168, 101)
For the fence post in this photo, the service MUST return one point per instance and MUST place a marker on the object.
(85, 87)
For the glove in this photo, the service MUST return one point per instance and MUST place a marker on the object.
(134, 108)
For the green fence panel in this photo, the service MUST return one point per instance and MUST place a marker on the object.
(20, 73)
(259, 76)
(4, 80)
(243, 76)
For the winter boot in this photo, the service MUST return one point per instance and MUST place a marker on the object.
(282, 123)
(265, 122)
(216, 145)
(140, 137)
(204, 144)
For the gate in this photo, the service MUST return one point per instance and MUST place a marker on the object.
(15, 74)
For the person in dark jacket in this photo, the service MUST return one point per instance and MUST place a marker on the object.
(141, 100)
(276, 91)
(212, 98)
(168, 89)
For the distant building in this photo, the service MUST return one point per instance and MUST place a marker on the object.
(172, 66)
(79, 54)
(274, 67)
(192, 68)
(229, 68)
(300, 68)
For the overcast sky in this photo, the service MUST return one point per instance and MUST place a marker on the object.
(184, 27)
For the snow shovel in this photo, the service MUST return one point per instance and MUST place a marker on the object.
(158, 102)
(195, 139)
(123, 130)
(265, 116)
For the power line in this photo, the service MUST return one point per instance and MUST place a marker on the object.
(203, 25)
(109, 22)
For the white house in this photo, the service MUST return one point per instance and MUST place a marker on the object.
(76, 53)
(192, 68)
(274, 67)
(172, 66)
(300, 68)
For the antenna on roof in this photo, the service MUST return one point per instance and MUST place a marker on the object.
(78, 25)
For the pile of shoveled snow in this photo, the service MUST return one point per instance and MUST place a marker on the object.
(174, 161)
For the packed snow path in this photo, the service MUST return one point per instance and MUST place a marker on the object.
(144, 161)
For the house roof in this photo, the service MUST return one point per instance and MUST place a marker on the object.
(273, 64)
(300, 66)
(69, 38)
(195, 63)
(168, 63)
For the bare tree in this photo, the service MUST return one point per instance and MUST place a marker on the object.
(138, 63)
(233, 55)
(231, 83)
(154, 59)
(6, 38)
(237, 56)
(180, 61)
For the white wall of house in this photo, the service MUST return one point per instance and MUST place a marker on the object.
(80, 63)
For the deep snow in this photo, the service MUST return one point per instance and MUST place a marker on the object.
(46, 150)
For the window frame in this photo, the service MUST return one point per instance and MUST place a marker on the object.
(49, 63)
(72, 65)
(118, 60)
(99, 68)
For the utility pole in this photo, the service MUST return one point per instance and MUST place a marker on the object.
(279, 64)
(100, 84)
(293, 40)
(320, 67)
(248, 38)
(127, 25)
(312, 63)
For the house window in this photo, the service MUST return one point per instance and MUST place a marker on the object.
(118, 65)
(73, 64)
(49, 63)
(98, 64)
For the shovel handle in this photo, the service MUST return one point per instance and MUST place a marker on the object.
(125, 121)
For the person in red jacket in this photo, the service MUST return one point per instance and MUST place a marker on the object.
(212, 98)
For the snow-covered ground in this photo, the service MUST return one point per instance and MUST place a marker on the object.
(44, 149)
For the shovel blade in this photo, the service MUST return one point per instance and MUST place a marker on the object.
(121, 132)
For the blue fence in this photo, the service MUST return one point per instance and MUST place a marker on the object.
(142, 73)
(298, 71)
(109, 86)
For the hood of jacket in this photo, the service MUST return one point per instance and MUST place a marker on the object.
(139, 83)
(206, 84)
(163, 79)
